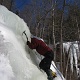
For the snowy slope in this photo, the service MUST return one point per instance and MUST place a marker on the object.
(17, 61)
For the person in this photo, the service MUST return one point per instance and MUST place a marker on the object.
(44, 50)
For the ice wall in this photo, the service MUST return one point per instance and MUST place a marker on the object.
(12, 49)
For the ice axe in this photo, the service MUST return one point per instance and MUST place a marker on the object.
(24, 32)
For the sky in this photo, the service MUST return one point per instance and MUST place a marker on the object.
(20, 4)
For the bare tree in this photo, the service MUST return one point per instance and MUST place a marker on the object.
(61, 43)
(53, 31)
(7, 3)
(1, 2)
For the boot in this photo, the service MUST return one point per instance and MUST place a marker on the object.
(49, 74)
(53, 74)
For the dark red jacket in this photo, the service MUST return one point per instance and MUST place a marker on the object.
(39, 45)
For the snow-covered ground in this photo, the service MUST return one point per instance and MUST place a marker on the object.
(17, 61)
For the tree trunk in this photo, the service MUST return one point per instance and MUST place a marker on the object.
(53, 25)
(61, 42)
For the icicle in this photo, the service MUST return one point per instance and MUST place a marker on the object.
(71, 57)
(75, 59)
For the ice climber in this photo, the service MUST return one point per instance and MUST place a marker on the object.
(48, 54)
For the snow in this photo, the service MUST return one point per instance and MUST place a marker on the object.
(17, 61)
(5, 68)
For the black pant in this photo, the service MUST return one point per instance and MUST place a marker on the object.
(46, 62)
